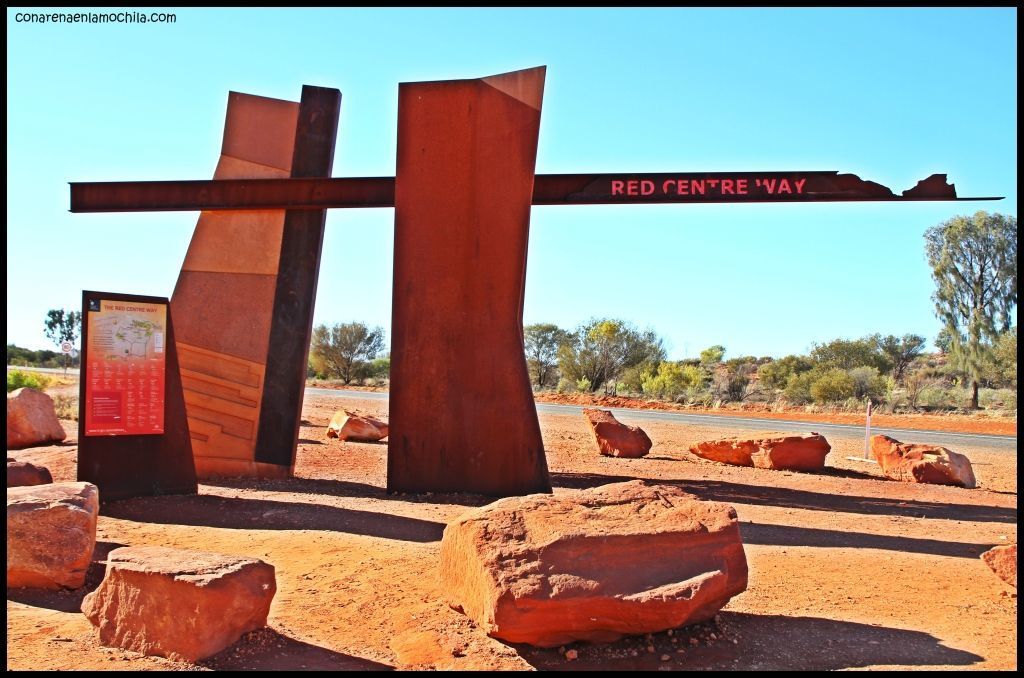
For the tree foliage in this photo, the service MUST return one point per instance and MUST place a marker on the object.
(541, 343)
(901, 351)
(600, 350)
(672, 380)
(776, 374)
(849, 353)
(63, 326)
(974, 266)
(345, 350)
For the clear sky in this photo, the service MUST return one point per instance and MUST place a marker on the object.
(892, 95)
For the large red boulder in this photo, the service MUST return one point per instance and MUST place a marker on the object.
(22, 473)
(784, 451)
(596, 565)
(614, 438)
(347, 425)
(1003, 561)
(916, 463)
(176, 603)
(51, 533)
(31, 419)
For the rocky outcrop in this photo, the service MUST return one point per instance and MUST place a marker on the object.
(51, 533)
(31, 419)
(615, 439)
(784, 451)
(1003, 561)
(22, 473)
(595, 565)
(347, 425)
(176, 603)
(915, 463)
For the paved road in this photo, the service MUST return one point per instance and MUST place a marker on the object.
(72, 371)
(951, 440)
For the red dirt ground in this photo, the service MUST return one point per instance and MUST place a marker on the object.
(847, 569)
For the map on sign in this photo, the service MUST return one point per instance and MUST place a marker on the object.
(124, 379)
(123, 337)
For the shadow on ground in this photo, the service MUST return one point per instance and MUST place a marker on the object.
(68, 600)
(267, 650)
(261, 514)
(344, 488)
(738, 493)
(764, 643)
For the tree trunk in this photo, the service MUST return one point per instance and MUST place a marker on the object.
(974, 395)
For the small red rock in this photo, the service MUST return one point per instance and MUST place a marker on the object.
(915, 463)
(22, 474)
(31, 419)
(615, 439)
(781, 451)
(1003, 561)
(347, 425)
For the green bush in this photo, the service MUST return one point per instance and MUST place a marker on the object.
(798, 387)
(832, 385)
(17, 379)
(583, 384)
(672, 380)
(868, 383)
(998, 398)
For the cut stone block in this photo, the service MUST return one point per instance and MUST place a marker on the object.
(916, 463)
(596, 565)
(781, 451)
(51, 534)
(177, 603)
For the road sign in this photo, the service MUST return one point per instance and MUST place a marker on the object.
(66, 347)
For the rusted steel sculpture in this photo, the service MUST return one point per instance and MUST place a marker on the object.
(462, 414)
(243, 305)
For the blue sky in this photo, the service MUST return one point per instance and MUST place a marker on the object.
(890, 95)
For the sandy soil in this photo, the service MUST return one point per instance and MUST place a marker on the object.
(847, 569)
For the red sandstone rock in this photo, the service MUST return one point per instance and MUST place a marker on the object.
(596, 565)
(1003, 561)
(614, 438)
(177, 603)
(22, 473)
(914, 463)
(51, 533)
(768, 450)
(31, 419)
(347, 425)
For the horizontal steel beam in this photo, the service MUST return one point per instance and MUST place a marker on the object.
(548, 189)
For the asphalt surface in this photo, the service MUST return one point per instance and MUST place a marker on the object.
(944, 438)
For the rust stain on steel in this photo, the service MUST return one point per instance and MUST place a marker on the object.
(462, 416)
(549, 189)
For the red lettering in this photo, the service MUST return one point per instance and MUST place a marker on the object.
(727, 187)
(784, 186)
(683, 187)
(712, 183)
(665, 186)
(768, 184)
(633, 187)
(741, 187)
(800, 185)
(646, 187)
(696, 186)
(617, 187)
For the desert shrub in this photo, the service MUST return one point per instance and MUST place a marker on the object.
(832, 385)
(938, 396)
(672, 380)
(868, 383)
(66, 407)
(998, 398)
(776, 374)
(17, 379)
(565, 385)
(798, 387)
(583, 384)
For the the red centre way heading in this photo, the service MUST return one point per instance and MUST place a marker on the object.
(548, 189)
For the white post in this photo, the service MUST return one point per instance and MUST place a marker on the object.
(867, 432)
